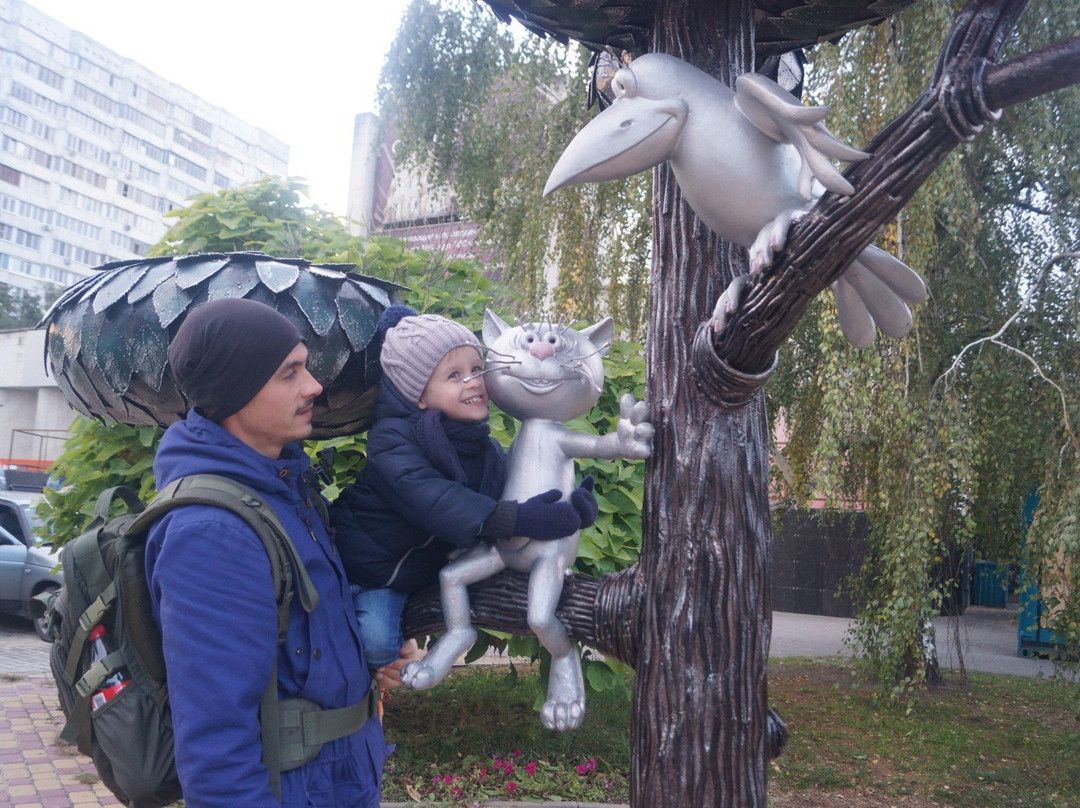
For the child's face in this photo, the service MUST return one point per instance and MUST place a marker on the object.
(456, 386)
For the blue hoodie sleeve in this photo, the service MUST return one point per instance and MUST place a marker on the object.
(211, 579)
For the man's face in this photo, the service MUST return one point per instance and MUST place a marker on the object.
(280, 413)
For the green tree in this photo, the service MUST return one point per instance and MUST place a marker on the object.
(267, 215)
(20, 309)
(475, 107)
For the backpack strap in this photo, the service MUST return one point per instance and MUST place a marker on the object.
(221, 492)
(305, 726)
(86, 556)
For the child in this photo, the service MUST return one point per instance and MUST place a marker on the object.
(433, 477)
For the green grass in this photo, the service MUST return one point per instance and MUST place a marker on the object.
(991, 742)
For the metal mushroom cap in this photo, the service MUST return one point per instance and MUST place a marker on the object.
(108, 335)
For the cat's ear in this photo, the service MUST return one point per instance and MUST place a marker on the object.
(493, 327)
(601, 334)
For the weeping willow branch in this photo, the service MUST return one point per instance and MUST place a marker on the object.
(942, 382)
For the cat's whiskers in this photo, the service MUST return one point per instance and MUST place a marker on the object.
(579, 367)
(501, 366)
(599, 349)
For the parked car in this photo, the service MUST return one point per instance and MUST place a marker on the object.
(26, 568)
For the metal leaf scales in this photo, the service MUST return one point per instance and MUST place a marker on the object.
(108, 336)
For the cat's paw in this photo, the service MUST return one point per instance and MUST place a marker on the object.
(563, 715)
(418, 676)
(634, 431)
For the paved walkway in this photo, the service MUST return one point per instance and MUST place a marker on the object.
(38, 770)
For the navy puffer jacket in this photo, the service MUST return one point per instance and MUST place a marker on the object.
(398, 523)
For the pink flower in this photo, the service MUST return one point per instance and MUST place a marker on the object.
(509, 768)
(448, 779)
(531, 769)
(436, 780)
(587, 766)
(483, 773)
(511, 787)
(455, 792)
(516, 753)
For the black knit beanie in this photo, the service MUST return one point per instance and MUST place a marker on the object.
(226, 350)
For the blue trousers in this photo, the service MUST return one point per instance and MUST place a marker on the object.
(378, 614)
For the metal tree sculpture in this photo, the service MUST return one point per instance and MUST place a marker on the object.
(108, 335)
(693, 618)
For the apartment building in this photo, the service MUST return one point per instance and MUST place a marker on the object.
(95, 148)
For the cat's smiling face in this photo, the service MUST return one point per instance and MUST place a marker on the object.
(545, 370)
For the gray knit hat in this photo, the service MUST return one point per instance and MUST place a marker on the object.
(413, 344)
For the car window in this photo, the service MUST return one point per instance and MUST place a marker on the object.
(6, 538)
(29, 510)
(9, 520)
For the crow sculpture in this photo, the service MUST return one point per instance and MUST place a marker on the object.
(108, 335)
(749, 162)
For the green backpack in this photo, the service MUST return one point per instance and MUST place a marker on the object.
(128, 734)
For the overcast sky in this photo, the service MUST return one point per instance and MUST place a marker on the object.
(301, 71)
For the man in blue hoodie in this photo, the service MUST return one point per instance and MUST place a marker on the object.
(243, 365)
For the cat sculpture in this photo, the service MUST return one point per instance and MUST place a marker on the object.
(543, 374)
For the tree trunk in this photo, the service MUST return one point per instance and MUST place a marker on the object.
(700, 703)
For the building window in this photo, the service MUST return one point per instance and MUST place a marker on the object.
(37, 100)
(188, 167)
(99, 100)
(202, 126)
(23, 238)
(80, 255)
(90, 123)
(9, 175)
(14, 118)
(80, 172)
(77, 226)
(91, 150)
(191, 144)
(95, 71)
(50, 77)
(182, 189)
(129, 113)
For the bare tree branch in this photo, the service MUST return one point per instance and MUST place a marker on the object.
(942, 382)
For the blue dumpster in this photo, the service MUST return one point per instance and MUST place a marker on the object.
(991, 584)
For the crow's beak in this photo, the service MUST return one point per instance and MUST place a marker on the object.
(630, 136)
